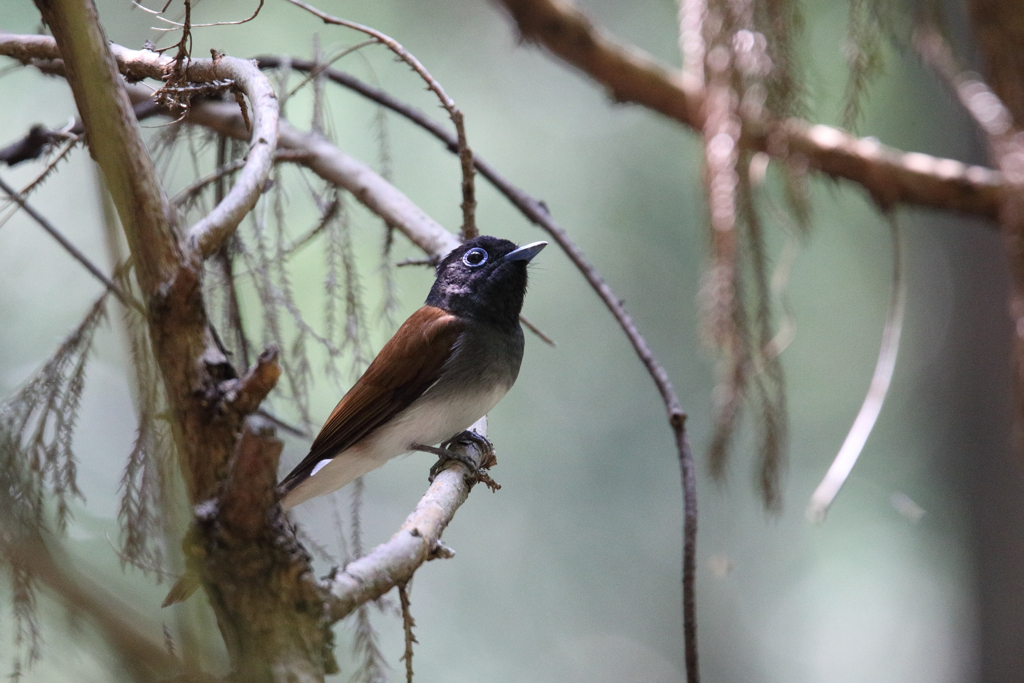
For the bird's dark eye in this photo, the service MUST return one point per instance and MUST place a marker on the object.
(475, 257)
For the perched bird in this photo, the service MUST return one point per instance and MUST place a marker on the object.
(444, 369)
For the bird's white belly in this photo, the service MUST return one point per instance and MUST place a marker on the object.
(428, 421)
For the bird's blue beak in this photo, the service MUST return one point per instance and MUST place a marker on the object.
(525, 253)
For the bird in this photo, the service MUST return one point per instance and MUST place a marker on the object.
(446, 367)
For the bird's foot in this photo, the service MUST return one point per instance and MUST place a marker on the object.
(446, 453)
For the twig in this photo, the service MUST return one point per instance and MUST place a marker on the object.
(469, 229)
(281, 424)
(37, 141)
(322, 66)
(199, 185)
(537, 331)
(879, 389)
(407, 625)
(984, 106)
(71, 249)
(40, 138)
(226, 260)
(157, 15)
(51, 165)
(416, 262)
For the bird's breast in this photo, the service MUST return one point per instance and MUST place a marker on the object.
(431, 419)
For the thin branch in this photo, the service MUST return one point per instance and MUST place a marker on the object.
(469, 229)
(537, 331)
(320, 67)
(36, 142)
(51, 166)
(630, 75)
(984, 106)
(879, 389)
(157, 15)
(197, 186)
(408, 623)
(71, 249)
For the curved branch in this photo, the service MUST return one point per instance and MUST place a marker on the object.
(205, 237)
(330, 163)
(630, 75)
(208, 234)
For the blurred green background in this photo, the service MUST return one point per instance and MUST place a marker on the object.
(572, 571)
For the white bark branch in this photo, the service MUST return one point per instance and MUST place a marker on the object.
(418, 541)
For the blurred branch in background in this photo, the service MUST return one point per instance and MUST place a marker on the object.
(120, 625)
(889, 175)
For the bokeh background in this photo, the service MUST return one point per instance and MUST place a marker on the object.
(572, 571)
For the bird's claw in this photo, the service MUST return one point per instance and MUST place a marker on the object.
(470, 438)
(446, 454)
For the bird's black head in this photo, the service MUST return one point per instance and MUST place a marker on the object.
(484, 279)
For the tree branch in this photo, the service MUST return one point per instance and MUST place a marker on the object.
(889, 175)
(419, 539)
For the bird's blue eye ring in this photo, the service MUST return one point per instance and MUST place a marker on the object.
(475, 257)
